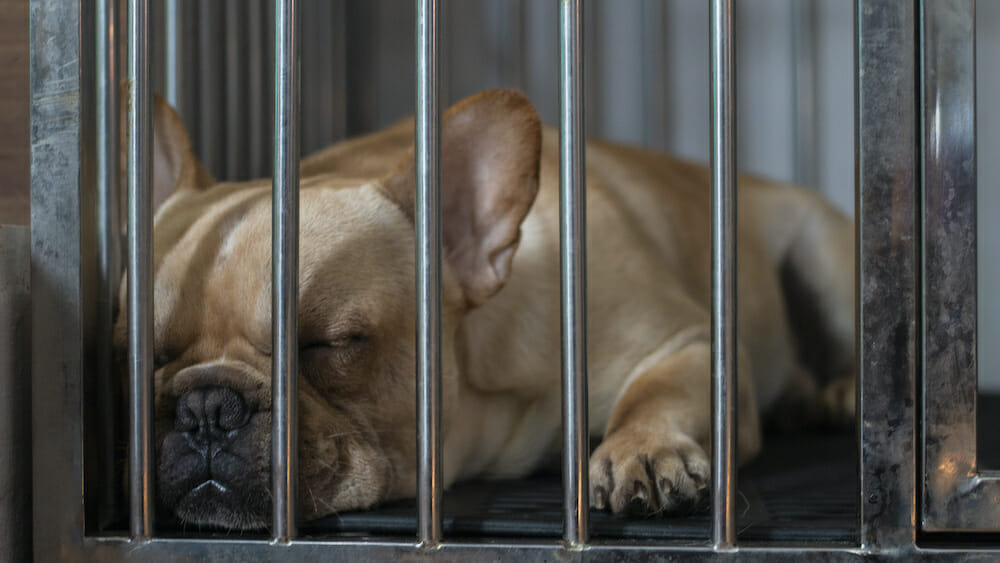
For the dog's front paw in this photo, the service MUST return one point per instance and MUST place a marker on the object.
(655, 474)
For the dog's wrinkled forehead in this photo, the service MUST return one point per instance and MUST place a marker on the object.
(355, 249)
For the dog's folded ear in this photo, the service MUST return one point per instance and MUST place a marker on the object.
(490, 155)
(174, 163)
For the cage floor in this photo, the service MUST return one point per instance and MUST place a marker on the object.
(801, 487)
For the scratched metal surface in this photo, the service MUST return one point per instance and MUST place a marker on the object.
(958, 496)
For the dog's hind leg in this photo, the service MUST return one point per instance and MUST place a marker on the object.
(806, 403)
(819, 280)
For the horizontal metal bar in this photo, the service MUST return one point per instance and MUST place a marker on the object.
(168, 550)
(573, 245)
(140, 273)
(724, 321)
(428, 217)
(285, 270)
(113, 549)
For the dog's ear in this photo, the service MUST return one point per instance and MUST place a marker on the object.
(174, 163)
(490, 154)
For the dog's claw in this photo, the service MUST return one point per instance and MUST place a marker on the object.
(641, 493)
(600, 498)
(660, 474)
(699, 482)
(666, 486)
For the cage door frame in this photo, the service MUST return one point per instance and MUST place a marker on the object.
(957, 495)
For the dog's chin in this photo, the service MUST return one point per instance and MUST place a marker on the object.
(213, 504)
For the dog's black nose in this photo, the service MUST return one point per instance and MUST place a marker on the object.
(210, 414)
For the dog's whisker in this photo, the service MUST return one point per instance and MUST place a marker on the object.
(313, 497)
(324, 463)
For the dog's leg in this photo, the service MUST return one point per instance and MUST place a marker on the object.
(821, 259)
(654, 448)
(806, 403)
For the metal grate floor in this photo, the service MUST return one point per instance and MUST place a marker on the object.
(801, 487)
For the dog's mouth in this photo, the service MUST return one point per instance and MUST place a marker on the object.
(221, 489)
(213, 503)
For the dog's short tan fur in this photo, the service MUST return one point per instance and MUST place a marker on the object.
(648, 302)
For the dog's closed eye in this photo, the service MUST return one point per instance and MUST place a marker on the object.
(329, 362)
(340, 342)
(339, 353)
(350, 339)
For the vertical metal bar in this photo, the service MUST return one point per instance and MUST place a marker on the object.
(109, 237)
(804, 82)
(956, 494)
(172, 22)
(285, 269)
(63, 276)
(573, 243)
(428, 172)
(140, 273)
(887, 179)
(723, 276)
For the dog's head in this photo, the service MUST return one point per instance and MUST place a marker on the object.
(356, 381)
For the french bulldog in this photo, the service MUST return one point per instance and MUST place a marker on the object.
(648, 236)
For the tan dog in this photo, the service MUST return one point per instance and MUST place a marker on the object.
(648, 284)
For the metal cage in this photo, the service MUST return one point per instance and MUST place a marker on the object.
(921, 492)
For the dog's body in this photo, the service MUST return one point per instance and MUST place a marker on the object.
(648, 310)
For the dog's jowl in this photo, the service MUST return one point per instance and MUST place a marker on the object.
(648, 235)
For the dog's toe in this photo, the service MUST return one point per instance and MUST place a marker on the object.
(665, 475)
(632, 485)
(682, 478)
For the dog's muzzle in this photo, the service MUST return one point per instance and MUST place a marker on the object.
(211, 467)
